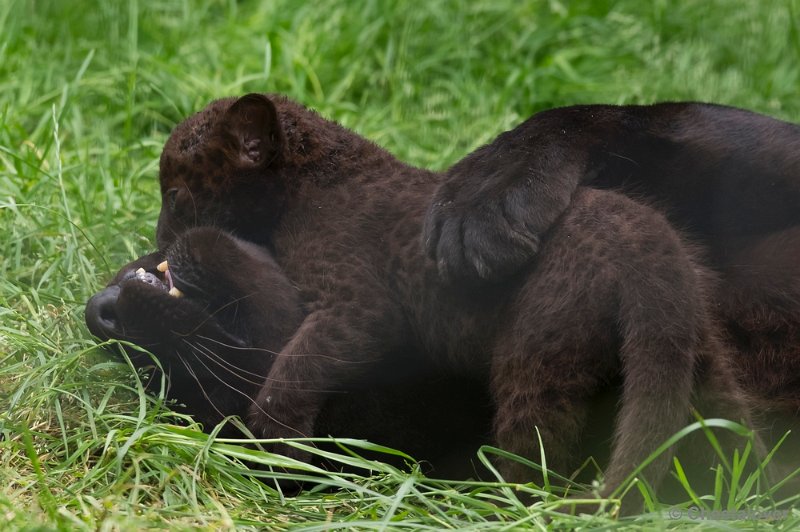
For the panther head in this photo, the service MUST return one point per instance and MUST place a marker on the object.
(221, 168)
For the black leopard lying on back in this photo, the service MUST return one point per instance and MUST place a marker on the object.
(217, 345)
(615, 293)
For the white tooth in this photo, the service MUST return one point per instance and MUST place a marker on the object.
(174, 292)
(162, 267)
(140, 271)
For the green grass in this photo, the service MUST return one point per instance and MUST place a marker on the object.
(88, 94)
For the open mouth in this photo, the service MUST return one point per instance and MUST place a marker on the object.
(166, 283)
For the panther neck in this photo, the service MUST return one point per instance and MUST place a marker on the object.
(324, 154)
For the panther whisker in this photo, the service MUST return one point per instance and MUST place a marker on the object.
(317, 355)
(194, 203)
(191, 371)
(211, 314)
(250, 399)
(239, 347)
(199, 384)
(326, 357)
(267, 378)
(230, 368)
(220, 361)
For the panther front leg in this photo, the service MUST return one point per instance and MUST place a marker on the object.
(239, 283)
(334, 348)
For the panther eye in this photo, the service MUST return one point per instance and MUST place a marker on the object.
(170, 198)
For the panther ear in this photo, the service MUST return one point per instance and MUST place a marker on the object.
(252, 122)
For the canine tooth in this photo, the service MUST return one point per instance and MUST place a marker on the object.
(162, 267)
(174, 292)
(140, 272)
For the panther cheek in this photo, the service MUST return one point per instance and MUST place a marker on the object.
(165, 230)
(170, 199)
(171, 223)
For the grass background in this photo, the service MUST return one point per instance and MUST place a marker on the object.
(88, 94)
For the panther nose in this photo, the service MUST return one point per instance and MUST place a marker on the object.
(101, 313)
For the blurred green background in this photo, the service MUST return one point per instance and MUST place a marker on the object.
(427, 80)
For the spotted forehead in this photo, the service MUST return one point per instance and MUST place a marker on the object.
(192, 156)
